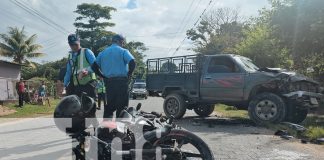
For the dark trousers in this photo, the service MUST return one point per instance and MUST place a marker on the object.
(117, 96)
(101, 97)
(89, 88)
(21, 99)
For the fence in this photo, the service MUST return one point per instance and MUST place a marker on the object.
(8, 89)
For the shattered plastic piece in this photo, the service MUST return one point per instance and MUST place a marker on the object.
(287, 137)
(281, 133)
(304, 141)
(294, 126)
(320, 140)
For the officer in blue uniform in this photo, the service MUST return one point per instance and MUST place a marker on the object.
(116, 64)
(79, 76)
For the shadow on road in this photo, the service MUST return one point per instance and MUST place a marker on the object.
(221, 125)
(29, 148)
(28, 129)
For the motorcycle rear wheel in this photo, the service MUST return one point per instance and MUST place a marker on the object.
(183, 137)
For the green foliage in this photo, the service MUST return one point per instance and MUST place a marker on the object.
(29, 110)
(18, 46)
(289, 34)
(315, 132)
(137, 49)
(91, 23)
(48, 70)
(218, 32)
(299, 25)
(230, 112)
(168, 67)
(263, 49)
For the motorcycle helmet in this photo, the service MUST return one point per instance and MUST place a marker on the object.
(73, 111)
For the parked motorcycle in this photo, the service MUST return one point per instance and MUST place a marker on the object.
(159, 137)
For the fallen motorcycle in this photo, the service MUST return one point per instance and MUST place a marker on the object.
(159, 137)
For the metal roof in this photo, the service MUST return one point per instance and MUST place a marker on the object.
(13, 63)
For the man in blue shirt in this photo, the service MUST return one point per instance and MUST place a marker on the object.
(116, 65)
(79, 76)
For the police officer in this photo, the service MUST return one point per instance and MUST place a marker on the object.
(79, 76)
(117, 65)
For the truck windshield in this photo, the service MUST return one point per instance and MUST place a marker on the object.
(139, 86)
(247, 64)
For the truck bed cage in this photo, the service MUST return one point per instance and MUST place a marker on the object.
(178, 64)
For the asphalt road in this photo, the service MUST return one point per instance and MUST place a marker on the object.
(39, 139)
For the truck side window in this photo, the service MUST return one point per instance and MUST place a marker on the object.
(222, 65)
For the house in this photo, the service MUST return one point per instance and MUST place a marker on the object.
(10, 73)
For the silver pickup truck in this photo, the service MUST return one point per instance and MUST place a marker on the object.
(199, 82)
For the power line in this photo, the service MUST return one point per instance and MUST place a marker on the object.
(195, 24)
(154, 35)
(182, 21)
(43, 16)
(33, 14)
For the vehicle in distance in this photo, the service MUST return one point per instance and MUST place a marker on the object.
(139, 90)
(199, 82)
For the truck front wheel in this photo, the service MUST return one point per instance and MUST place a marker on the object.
(174, 105)
(267, 108)
(204, 110)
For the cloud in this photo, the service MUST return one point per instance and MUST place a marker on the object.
(153, 22)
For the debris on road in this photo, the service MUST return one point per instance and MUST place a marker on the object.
(283, 134)
(320, 141)
(294, 126)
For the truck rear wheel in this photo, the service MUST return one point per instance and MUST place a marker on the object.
(267, 108)
(204, 110)
(174, 105)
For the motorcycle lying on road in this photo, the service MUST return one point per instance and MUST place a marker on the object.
(159, 137)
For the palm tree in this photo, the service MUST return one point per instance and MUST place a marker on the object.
(18, 46)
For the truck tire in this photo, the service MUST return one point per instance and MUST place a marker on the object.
(174, 105)
(204, 110)
(267, 108)
(296, 115)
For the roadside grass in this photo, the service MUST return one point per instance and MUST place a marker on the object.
(30, 110)
(315, 126)
(313, 123)
(231, 112)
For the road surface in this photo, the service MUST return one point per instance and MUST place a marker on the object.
(39, 139)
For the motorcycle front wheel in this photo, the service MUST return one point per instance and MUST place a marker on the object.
(190, 145)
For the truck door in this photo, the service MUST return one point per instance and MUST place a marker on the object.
(222, 80)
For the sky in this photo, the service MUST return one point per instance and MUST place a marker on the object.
(159, 24)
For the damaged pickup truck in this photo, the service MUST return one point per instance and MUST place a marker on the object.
(200, 82)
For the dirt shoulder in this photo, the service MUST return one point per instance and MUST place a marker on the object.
(6, 111)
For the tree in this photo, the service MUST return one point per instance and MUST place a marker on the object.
(299, 25)
(218, 32)
(17, 45)
(263, 49)
(137, 49)
(48, 70)
(168, 67)
(91, 23)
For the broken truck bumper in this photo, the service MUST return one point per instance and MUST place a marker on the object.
(304, 99)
